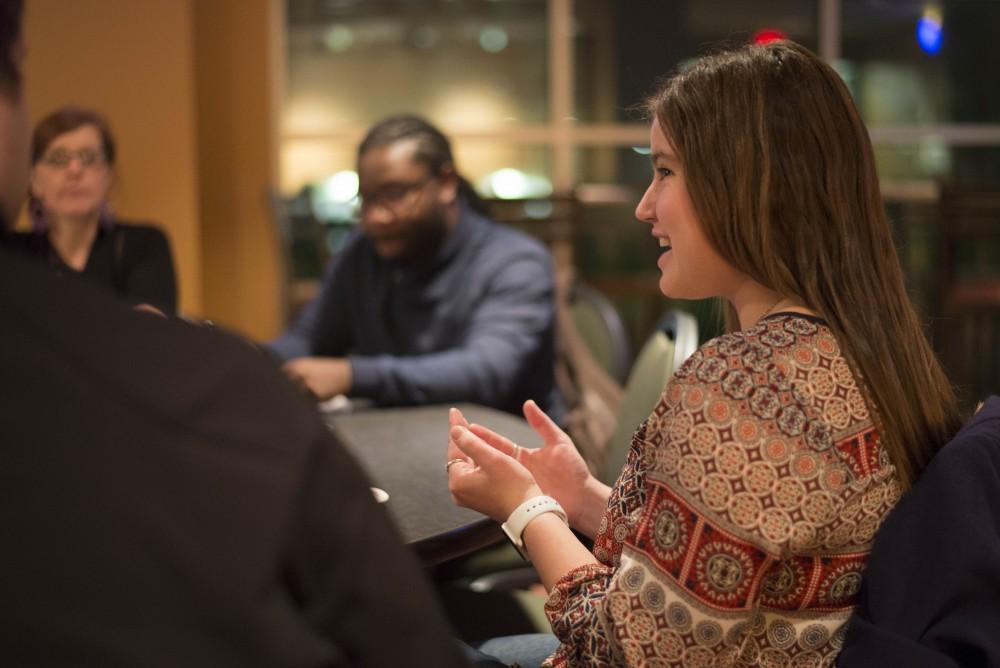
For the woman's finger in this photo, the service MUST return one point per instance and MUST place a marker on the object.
(542, 423)
(501, 443)
(472, 447)
(456, 419)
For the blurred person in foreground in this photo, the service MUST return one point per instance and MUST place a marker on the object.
(430, 301)
(73, 228)
(738, 530)
(167, 498)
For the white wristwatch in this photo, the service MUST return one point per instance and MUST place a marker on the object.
(524, 513)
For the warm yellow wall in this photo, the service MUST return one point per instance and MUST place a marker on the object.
(132, 60)
(187, 86)
(234, 43)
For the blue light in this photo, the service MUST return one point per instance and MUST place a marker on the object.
(929, 34)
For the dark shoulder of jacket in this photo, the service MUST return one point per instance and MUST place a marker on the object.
(979, 438)
(146, 360)
(30, 243)
(504, 243)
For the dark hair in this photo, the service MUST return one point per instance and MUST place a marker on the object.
(66, 120)
(433, 149)
(781, 172)
(10, 33)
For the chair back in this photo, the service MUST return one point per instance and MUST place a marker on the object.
(672, 342)
(602, 329)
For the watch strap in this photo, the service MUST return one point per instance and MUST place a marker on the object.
(524, 514)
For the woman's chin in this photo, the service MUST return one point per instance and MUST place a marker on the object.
(74, 213)
(667, 288)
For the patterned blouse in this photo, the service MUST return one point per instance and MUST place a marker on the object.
(743, 519)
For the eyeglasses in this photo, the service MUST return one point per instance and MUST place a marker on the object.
(60, 158)
(392, 196)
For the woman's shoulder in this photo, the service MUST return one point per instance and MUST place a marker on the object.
(141, 238)
(140, 229)
(761, 421)
(784, 348)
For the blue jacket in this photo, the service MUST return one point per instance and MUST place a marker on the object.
(475, 322)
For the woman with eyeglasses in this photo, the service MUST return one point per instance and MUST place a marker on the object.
(73, 228)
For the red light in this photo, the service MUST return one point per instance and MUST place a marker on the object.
(766, 35)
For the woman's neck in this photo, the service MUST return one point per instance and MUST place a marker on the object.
(754, 302)
(72, 239)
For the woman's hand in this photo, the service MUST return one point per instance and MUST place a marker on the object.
(556, 467)
(482, 477)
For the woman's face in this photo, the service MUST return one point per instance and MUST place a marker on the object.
(72, 177)
(690, 267)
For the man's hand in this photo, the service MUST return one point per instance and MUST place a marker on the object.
(323, 377)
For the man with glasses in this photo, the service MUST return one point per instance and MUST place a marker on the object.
(166, 497)
(430, 301)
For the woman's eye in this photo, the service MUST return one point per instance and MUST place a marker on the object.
(663, 172)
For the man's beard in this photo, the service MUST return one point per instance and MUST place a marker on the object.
(425, 238)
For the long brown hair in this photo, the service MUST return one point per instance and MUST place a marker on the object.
(781, 172)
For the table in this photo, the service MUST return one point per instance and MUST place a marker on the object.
(403, 450)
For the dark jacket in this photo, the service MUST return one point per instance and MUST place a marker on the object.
(168, 499)
(931, 593)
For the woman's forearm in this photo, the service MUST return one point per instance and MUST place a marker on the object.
(590, 508)
(554, 549)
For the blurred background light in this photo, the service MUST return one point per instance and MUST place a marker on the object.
(334, 198)
(338, 38)
(766, 35)
(493, 39)
(930, 31)
(510, 183)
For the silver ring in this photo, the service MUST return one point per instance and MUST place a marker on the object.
(517, 453)
(450, 463)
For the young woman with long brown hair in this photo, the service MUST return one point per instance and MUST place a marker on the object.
(741, 523)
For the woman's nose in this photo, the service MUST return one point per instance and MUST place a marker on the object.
(645, 210)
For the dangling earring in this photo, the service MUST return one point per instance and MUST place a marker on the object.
(107, 216)
(36, 212)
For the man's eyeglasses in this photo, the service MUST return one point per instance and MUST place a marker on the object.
(60, 158)
(391, 196)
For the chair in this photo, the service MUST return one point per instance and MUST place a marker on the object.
(602, 329)
(672, 341)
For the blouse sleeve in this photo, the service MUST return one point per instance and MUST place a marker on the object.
(731, 552)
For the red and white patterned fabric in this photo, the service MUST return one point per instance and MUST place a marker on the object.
(739, 528)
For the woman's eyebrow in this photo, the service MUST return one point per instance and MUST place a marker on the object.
(662, 156)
